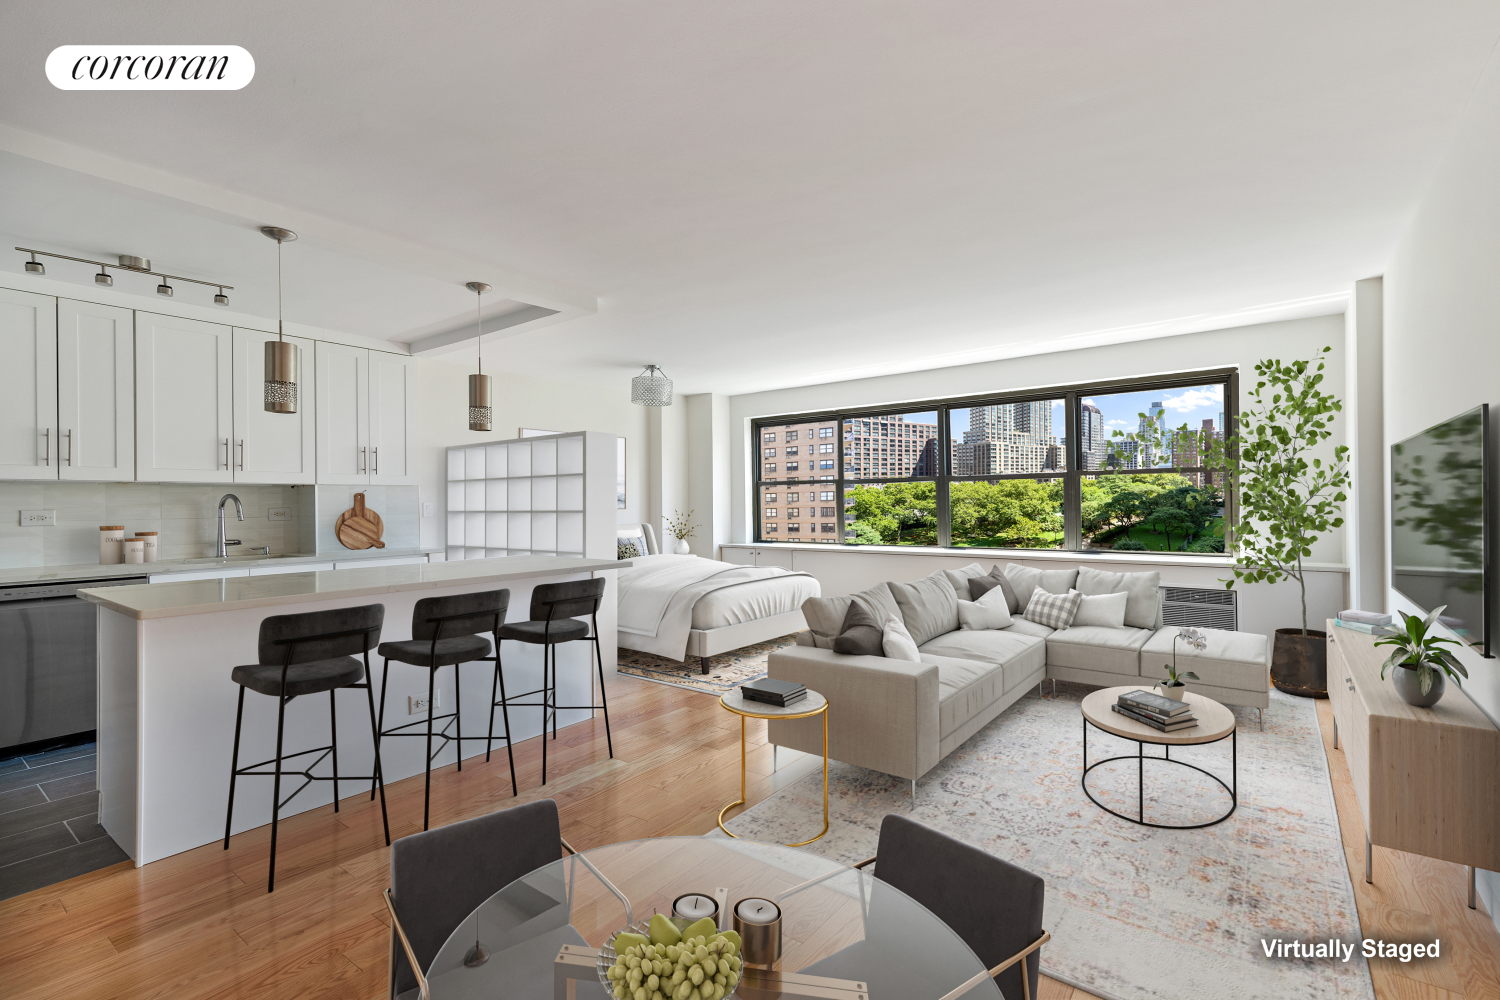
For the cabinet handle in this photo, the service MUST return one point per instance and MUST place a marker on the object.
(70, 445)
(364, 459)
(375, 454)
(47, 445)
(227, 466)
(242, 454)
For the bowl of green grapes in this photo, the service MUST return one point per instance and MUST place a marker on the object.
(670, 959)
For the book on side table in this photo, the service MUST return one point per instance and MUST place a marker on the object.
(1156, 704)
(773, 692)
(1165, 726)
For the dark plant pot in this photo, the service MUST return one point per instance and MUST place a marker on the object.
(1299, 663)
(1410, 690)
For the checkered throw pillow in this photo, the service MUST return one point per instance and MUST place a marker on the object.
(1053, 610)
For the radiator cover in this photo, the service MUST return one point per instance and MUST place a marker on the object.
(1199, 607)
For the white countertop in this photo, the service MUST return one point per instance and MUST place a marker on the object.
(95, 571)
(197, 597)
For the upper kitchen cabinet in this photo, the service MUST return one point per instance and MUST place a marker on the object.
(184, 387)
(28, 399)
(95, 391)
(364, 418)
(272, 447)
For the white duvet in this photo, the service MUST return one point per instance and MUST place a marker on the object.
(658, 594)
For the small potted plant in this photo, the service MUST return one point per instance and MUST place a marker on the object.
(1173, 687)
(680, 527)
(1420, 661)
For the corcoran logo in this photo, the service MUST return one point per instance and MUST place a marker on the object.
(150, 67)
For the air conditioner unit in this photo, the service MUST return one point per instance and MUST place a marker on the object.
(1200, 608)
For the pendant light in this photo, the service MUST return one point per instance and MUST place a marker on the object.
(479, 383)
(281, 357)
(651, 388)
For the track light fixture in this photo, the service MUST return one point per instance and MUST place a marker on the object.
(221, 299)
(480, 384)
(164, 288)
(281, 357)
(34, 266)
(103, 278)
(138, 265)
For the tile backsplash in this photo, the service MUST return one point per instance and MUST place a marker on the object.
(186, 515)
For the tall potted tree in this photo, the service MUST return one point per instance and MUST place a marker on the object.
(1287, 500)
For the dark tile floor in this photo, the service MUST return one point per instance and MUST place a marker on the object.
(48, 820)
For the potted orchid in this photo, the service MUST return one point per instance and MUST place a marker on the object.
(1174, 687)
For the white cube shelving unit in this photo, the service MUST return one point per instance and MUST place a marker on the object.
(552, 495)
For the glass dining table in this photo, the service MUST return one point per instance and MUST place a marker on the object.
(860, 938)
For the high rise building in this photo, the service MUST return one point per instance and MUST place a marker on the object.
(1152, 423)
(1091, 436)
(798, 470)
(1008, 438)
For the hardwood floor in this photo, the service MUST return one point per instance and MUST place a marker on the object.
(201, 924)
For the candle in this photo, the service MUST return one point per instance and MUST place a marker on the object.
(695, 906)
(757, 911)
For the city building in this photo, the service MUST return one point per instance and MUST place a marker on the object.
(805, 454)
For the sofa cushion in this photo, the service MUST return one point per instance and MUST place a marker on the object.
(1020, 626)
(825, 618)
(960, 579)
(1106, 610)
(1142, 590)
(929, 607)
(1000, 646)
(897, 642)
(880, 602)
(1053, 610)
(861, 634)
(1091, 647)
(1232, 659)
(1026, 580)
(981, 585)
(965, 688)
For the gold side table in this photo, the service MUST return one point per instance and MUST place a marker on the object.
(813, 704)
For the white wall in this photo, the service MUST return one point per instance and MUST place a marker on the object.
(1442, 324)
(442, 414)
(1241, 347)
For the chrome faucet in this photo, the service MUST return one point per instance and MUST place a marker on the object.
(223, 549)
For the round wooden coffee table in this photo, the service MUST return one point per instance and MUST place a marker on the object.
(1215, 723)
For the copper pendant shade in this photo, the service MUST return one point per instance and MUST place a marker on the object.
(281, 357)
(480, 384)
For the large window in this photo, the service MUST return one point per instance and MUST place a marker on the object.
(1115, 465)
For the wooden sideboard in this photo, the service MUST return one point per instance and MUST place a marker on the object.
(1427, 779)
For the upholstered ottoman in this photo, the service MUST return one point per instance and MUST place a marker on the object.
(1234, 669)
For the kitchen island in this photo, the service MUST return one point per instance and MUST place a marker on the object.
(167, 704)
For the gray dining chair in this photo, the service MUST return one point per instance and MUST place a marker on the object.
(439, 877)
(993, 905)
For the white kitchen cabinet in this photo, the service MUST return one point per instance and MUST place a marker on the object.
(272, 447)
(342, 387)
(392, 420)
(28, 385)
(95, 391)
(184, 388)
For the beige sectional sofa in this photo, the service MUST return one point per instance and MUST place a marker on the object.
(901, 717)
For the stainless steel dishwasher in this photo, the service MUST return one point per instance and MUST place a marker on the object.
(48, 660)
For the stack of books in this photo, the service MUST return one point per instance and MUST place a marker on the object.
(1368, 622)
(1157, 711)
(772, 692)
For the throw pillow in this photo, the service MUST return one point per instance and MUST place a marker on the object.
(825, 618)
(1106, 610)
(626, 550)
(981, 585)
(1143, 589)
(1053, 610)
(989, 612)
(861, 634)
(929, 607)
(1025, 580)
(898, 643)
(960, 579)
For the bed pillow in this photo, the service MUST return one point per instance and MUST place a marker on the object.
(1053, 610)
(1105, 610)
(898, 643)
(989, 612)
(979, 586)
(1027, 581)
(630, 546)
(929, 607)
(960, 579)
(1143, 591)
(861, 634)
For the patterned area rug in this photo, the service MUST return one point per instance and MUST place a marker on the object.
(727, 671)
(1134, 912)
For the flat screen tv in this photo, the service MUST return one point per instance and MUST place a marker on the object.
(1440, 523)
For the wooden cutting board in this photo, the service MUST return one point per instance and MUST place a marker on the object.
(359, 527)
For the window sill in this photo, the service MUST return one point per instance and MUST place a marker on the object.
(1028, 555)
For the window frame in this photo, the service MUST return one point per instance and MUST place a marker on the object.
(1071, 474)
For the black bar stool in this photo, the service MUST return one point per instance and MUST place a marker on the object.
(444, 630)
(553, 607)
(303, 654)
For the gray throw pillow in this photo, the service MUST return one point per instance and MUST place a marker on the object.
(929, 607)
(861, 635)
(1143, 603)
(980, 586)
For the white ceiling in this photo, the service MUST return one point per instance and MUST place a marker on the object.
(762, 194)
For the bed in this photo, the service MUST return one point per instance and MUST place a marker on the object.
(682, 606)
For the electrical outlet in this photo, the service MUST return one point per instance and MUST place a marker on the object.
(427, 509)
(37, 518)
(279, 514)
(418, 706)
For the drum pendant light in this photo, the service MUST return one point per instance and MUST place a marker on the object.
(479, 383)
(651, 388)
(281, 357)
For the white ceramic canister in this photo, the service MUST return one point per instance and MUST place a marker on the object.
(134, 550)
(149, 537)
(110, 551)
